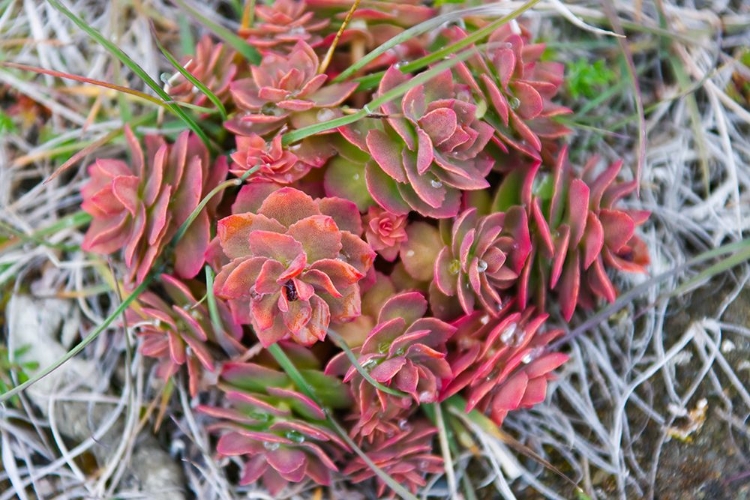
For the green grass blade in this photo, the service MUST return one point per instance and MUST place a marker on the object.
(237, 43)
(341, 343)
(286, 364)
(189, 76)
(711, 271)
(445, 450)
(83, 343)
(126, 60)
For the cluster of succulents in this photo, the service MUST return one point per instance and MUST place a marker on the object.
(397, 260)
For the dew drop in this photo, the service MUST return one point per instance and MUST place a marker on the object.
(426, 397)
(295, 436)
(157, 323)
(482, 266)
(514, 102)
(260, 416)
(410, 253)
(325, 114)
(404, 425)
(297, 30)
(369, 364)
(383, 347)
(508, 333)
(436, 184)
(299, 166)
(400, 352)
(295, 147)
(356, 177)
(531, 355)
(508, 45)
(270, 446)
(164, 77)
(484, 319)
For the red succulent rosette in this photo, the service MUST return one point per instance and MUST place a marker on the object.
(405, 455)
(179, 332)
(510, 76)
(286, 89)
(212, 65)
(139, 207)
(500, 363)
(283, 23)
(482, 257)
(282, 434)
(274, 163)
(579, 232)
(295, 264)
(385, 232)
(428, 149)
(405, 351)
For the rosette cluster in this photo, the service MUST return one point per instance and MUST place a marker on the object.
(397, 233)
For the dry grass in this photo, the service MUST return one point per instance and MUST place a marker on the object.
(630, 379)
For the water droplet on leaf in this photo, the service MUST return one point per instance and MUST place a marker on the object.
(404, 425)
(295, 436)
(482, 266)
(436, 184)
(508, 333)
(410, 253)
(369, 364)
(271, 446)
(531, 355)
(514, 102)
(426, 397)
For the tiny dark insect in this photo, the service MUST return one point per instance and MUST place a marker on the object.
(290, 290)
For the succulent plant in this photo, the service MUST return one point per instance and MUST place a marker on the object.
(276, 163)
(509, 76)
(385, 232)
(295, 265)
(282, 433)
(213, 65)
(429, 148)
(405, 351)
(139, 207)
(177, 333)
(406, 456)
(286, 88)
(579, 232)
(403, 13)
(483, 256)
(500, 362)
(283, 23)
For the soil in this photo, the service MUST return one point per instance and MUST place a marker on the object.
(712, 462)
